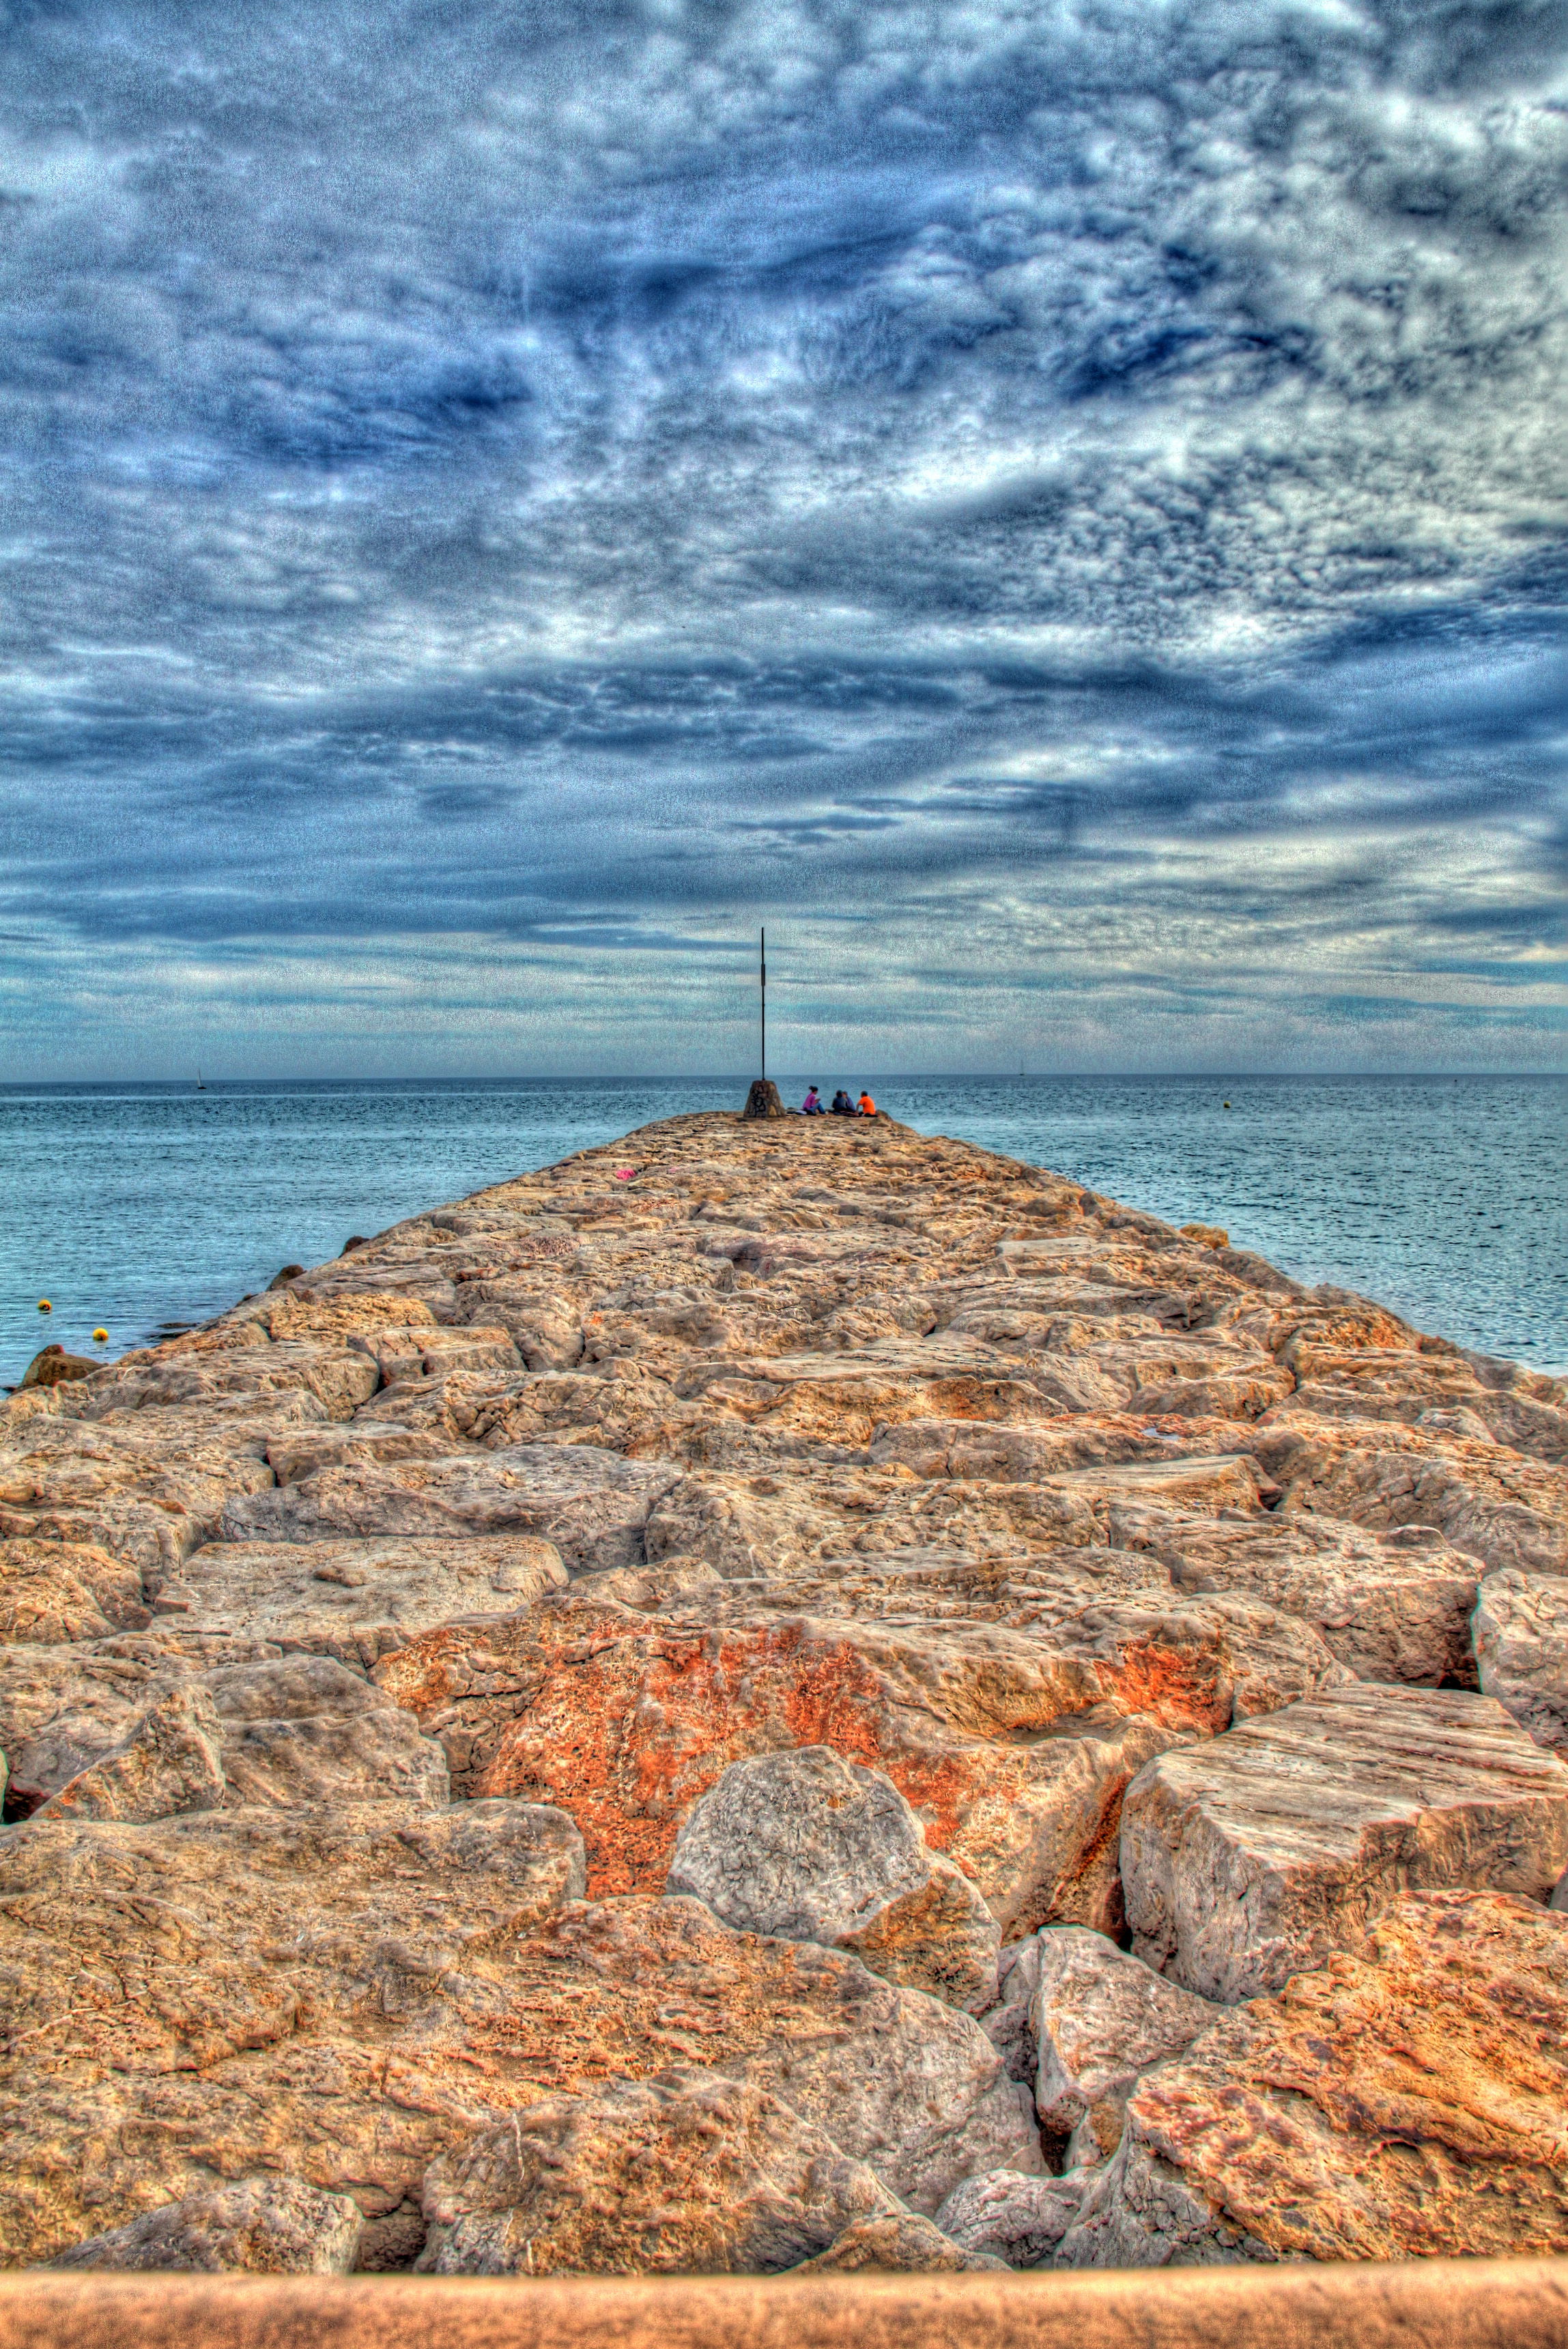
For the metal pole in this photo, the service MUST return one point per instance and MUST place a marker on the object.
(764, 975)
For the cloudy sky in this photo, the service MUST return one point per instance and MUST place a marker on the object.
(1058, 507)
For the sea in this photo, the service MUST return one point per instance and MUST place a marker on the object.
(140, 1208)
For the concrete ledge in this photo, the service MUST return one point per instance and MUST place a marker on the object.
(1427, 2304)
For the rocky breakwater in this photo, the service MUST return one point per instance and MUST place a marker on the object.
(784, 1695)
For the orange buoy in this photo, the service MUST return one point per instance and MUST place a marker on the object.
(100, 1337)
(44, 1305)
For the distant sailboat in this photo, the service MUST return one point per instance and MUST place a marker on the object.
(200, 1086)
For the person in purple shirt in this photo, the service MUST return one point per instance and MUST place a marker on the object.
(812, 1105)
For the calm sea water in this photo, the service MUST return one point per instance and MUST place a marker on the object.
(130, 1206)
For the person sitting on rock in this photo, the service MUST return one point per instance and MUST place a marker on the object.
(866, 1106)
(842, 1105)
(813, 1104)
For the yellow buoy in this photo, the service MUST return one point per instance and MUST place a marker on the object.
(44, 1305)
(100, 1337)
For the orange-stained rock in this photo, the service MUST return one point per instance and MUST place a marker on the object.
(1014, 1750)
(1405, 2103)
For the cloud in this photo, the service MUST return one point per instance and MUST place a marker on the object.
(1062, 501)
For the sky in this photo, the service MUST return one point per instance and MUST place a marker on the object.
(1060, 510)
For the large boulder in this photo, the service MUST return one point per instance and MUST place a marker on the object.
(235, 1992)
(815, 1848)
(1014, 2216)
(356, 1598)
(1263, 1851)
(1521, 1648)
(1404, 2102)
(592, 1504)
(170, 1761)
(685, 2173)
(1012, 1746)
(53, 1591)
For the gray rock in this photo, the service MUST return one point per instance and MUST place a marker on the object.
(1013, 2216)
(1008, 2022)
(269, 2226)
(687, 2172)
(1101, 2019)
(1261, 1852)
(811, 1847)
(1520, 1628)
(171, 1762)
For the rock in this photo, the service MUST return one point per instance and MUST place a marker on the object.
(1486, 1498)
(627, 1722)
(906, 2244)
(171, 1762)
(53, 1367)
(1009, 2023)
(1014, 2217)
(1247, 1858)
(912, 2086)
(52, 1590)
(267, 2226)
(336, 1988)
(1101, 2020)
(685, 2173)
(1391, 1608)
(307, 1729)
(813, 1848)
(1209, 1235)
(1404, 2102)
(63, 1708)
(591, 1504)
(357, 1599)
(762, 1100)
(281, 1279)
(1521, 1649)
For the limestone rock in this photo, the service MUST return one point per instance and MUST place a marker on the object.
(171, 1762)
(53, 1367)
(1394, 1606)
(685, 2173)
(590, 1503)
(1521, 1648)
(909, 2086)
(305, 1730)
(267, 2226)
(1101, 2019)
(1245, 1859)
(813, 1848)
(1403, 2103)
(357, 1599)
(52, 1590)
(1013, 2216)
(333, 1989)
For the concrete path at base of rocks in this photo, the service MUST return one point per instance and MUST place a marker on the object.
(1246, 1858)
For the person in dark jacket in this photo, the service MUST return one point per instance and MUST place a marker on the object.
(842, 1105)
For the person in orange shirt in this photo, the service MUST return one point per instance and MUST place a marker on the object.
(866, 1106)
